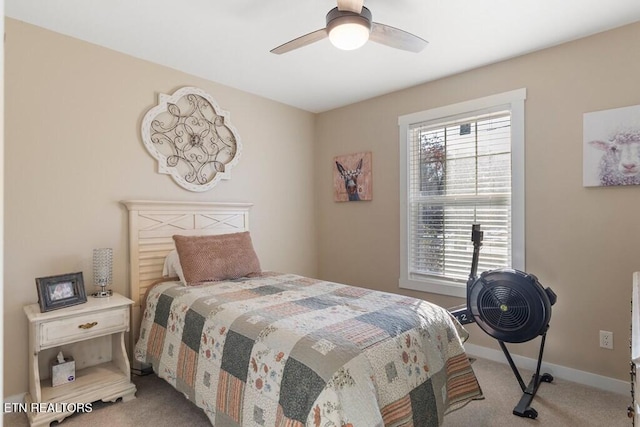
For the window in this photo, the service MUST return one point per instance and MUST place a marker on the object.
(460, 165)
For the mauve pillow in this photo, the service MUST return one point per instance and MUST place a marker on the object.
(220, 257)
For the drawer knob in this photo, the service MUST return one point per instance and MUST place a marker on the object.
(88, 325)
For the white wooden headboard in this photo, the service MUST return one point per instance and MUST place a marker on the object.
(152, 225)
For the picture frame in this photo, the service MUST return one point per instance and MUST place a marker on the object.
(611, 146)
(352, 177)
(55, 292)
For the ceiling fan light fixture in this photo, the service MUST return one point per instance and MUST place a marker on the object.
(348, 30)
(349, 35)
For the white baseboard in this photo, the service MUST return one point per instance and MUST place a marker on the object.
(558, 371)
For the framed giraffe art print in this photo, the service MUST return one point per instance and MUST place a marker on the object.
(352, 177)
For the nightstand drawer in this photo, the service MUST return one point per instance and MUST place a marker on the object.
(81, 327)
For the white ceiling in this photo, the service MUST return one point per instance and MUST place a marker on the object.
(229, 41)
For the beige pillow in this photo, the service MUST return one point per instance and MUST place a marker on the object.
(221, 257)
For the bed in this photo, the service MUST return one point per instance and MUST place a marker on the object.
(278, 349)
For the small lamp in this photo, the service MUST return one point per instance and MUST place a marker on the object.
(102, 271)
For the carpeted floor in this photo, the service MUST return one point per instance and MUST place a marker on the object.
(559, 404)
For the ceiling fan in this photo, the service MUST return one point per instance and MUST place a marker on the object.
(349, 26)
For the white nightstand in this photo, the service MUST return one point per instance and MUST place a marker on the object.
(93, 333)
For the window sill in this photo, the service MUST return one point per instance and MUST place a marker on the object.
(435, 286)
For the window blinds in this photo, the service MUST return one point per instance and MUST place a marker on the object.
(459, 174)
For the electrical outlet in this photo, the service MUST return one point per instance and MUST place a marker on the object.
(606, 339)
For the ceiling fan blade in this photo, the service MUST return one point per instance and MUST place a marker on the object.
(394, 37)
(351, 5)
(300, 41)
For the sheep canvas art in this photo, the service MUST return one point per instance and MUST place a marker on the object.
(352, 177)
(611, 147)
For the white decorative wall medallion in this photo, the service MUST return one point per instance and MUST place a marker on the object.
(192, 139)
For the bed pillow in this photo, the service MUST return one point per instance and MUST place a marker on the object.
(220, 257)
(172, 267)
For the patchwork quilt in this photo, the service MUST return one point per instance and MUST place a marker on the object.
(285, 350)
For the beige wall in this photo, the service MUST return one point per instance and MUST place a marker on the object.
(73, 151)
(581, 242)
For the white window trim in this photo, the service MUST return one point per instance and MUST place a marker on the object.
(513, 101)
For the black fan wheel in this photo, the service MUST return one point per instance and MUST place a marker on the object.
(509, 305)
